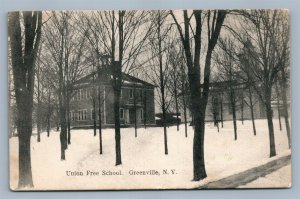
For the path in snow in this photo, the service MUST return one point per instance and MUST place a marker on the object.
(245, 177)
(276, 179)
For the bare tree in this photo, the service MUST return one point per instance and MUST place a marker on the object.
(176, 59)
(278, 104)
(229, 50)
(65, 56)
(160, 70)
(199, 98)
(38, 115)
(24, 40)
(185, 93)
(266, 41)
(119, 36)
(284, 74)
(227, 69)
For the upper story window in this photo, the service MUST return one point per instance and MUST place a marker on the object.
(141, 94)
(78, 95)
(83, 94)
(131, 93)
(86, 93)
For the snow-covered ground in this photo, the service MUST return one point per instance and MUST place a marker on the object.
(223, 157)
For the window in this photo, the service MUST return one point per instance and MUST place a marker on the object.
(130, 93)
(229, 108)
(90, 93)
(141, 94)
(81, 115)
(86, 94)
(82, 94)
(121, 113)
(92, 112)
(74, 116)
(142, 114)
(121, 94)
(78, 94)
(84, 114)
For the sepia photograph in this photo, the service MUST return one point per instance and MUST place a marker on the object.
(149, 99)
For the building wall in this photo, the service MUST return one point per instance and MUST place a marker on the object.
(127, 102)
(258, 109)
(83, 106)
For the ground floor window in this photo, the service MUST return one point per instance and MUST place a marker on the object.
(142, 114)
(82, 115)
(73, 116)
(92, 114)
(121, 113)
(96, 114)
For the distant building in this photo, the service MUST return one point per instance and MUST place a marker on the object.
(219, 98)
(136, 102)
(219, 105)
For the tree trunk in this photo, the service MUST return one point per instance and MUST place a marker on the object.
(100, 120)
(57, 118)
(242, 109)
(24, 134)
(38, 114)
(287, 124)
(135, 118)
(278, 106)
(285, 106)
(62, 102)
(49, 114)
(270, 125)
(232, 102)
(252, 111)
(25, 175)
(199, 102)
(94, 114)
(23, 65)
(162, 85)
(38, 121)
(198, 149)
(145, 109)
(68, 121)
(176, 102)
(63, 131)
(199, 128)
(48, 126)
(117, 126)
(184, 109)
(221, 107)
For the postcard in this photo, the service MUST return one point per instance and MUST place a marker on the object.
(149, 99)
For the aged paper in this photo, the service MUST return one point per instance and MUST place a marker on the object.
(147, 99)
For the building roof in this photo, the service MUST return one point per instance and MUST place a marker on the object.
(126, 80)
